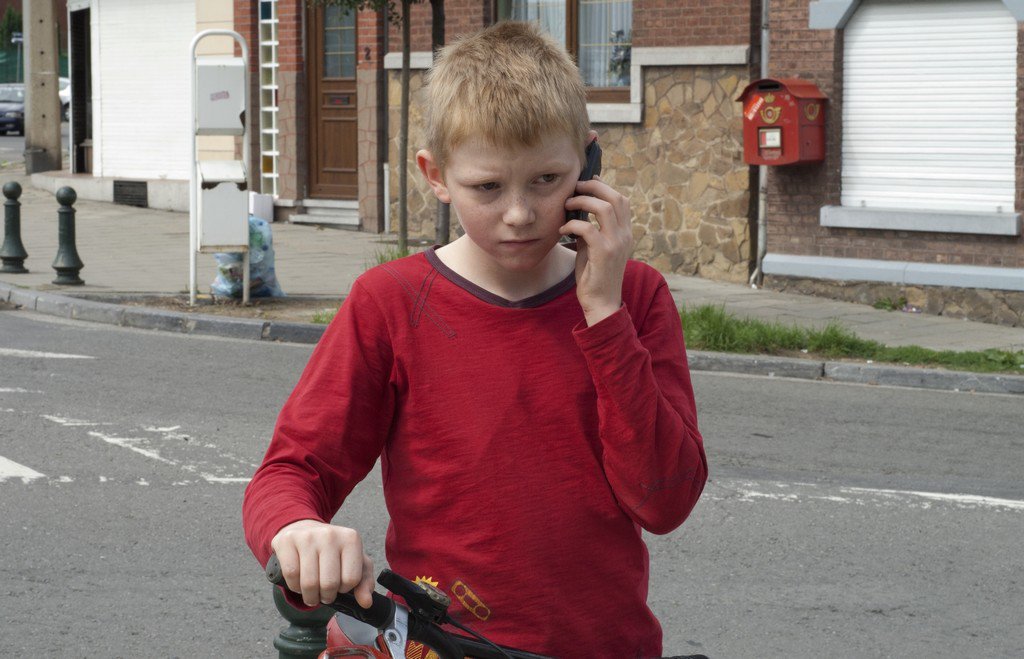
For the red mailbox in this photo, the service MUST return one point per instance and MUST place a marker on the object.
(783, 122)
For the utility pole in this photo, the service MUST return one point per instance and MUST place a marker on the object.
(42, 104)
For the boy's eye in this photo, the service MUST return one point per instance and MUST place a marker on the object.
(547, 178)
(487, 187)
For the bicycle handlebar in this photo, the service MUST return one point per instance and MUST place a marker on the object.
(381, 615)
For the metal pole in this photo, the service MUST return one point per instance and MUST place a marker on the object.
(306, 634)
(193, 241)
(67, 264)
(757, 276)
(13, 252)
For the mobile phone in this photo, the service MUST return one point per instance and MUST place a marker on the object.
(591, 168)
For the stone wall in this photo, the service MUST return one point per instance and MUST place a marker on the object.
(682, 168)
(990, 306)
(421, 203)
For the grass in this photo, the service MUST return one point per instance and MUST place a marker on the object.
(387, 253)
(324, 316)
(709, 327)
(390, 253)
(890, 304)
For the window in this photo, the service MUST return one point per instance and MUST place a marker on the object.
(930, 106)
(339, 42)
(598, 33)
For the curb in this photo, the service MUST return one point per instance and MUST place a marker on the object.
(157, 319)
(290, 332)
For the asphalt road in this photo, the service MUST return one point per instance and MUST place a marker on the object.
(840, 521)
(12, 147)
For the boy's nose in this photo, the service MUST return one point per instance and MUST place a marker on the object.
(518, 212)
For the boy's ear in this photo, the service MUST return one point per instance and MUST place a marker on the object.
(432, 172)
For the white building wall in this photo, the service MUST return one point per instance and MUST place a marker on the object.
(215, 15)
(142, 87)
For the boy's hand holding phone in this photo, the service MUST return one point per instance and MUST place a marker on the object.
(603, 246)
(321, 560)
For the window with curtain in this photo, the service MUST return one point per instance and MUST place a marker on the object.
(598, 33)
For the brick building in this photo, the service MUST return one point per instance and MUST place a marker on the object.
(920, 192)
(664, 75)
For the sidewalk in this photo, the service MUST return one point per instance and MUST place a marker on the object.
(138, 250)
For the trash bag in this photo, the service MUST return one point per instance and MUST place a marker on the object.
(262, 277)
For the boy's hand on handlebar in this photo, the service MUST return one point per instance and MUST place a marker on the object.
(321, 560)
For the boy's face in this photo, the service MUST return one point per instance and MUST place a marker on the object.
(509, 200)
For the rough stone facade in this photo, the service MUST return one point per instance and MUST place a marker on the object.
(421, 203)
(370, 99)
(683, 171)
(990, 306)
(682, 168)
(293, 130)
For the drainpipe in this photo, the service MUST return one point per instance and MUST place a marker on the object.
(762, 171)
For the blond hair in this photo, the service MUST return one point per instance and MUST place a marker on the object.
(510, 85)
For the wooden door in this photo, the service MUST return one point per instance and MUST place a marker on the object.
(332, 104)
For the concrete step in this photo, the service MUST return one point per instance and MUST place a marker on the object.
(342, 213)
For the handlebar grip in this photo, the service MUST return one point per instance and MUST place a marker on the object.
(380, 614)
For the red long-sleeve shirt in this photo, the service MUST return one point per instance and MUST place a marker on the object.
(522, 451)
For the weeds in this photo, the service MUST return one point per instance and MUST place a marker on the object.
(890, 304)
(389, 253)
(324, 316)
(381, 256)
(709, 327)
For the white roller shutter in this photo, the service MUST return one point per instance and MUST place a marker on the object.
(929, 106)
(145, 87)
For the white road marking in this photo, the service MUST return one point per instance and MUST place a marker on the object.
(141, 445)
(130, 444)
(750, 491)
(11, 469)
(224, 479)
(168, 433)
(18, 390)
(72, 422)
(964, 499)
(35, 354)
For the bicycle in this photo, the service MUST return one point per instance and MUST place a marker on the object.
(384, 630)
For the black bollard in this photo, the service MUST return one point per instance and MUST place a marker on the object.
(306, 634)
(67, 264)
(13, 252)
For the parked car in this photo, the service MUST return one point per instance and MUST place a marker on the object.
(65, 97)
(12, 108)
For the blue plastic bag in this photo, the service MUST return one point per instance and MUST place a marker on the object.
(262, 277)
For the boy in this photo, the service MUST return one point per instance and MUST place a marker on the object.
(530, 404)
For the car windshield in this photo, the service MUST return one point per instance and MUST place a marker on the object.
(12, 94)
